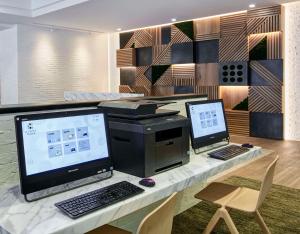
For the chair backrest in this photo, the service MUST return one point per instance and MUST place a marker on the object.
(160, 220)
(267, 182)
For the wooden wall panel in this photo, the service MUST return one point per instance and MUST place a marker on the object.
(234, 25)
(238, 122)
(146, 90)
(184, 75)
(162, 91)
(232, 95)
(161, 55)
(265, 99)
(264, 20)
(207, 74)
(143, 76)
(273, 44)
(207, 29)
(126, 57)
(143, 38)
(166, 79)
(233, 49)
(177, 36)
(266, 73)
(211, 91)
(125, 89)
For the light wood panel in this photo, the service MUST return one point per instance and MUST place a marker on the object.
(207, 74)
(233, 95)
(207, 29)
(264, 20)
(238, 122)
(184, 75)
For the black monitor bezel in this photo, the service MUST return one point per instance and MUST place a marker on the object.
(48, 179)
(209, 139)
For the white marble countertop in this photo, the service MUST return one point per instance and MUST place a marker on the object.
(18, 216)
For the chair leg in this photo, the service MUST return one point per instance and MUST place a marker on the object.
(229, 222)
(213, 222)
(261, 223)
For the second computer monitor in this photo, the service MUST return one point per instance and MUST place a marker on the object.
(208, 122)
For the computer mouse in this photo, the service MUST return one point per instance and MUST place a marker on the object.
(148, 182)
(247, 145)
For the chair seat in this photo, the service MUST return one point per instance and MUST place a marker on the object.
(108, 229)
(218, 193)
(245, 200)
(230, 196)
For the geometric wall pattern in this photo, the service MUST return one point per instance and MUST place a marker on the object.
(190, 57)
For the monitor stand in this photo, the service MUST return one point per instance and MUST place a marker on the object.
(212, 146)
(67, 186)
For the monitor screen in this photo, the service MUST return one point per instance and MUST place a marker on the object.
(208, 122)
(61, 142)
(59, 147)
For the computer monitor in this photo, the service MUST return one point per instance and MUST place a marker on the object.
(208, 122)
(60, 147)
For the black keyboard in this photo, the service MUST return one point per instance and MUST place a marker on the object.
(86, 203)
(228, 152)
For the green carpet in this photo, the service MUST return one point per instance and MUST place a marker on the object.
(280, 211)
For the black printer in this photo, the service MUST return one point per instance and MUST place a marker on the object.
(146, 140)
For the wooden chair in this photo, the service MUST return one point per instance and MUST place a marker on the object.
(239, 198)
(159, 221)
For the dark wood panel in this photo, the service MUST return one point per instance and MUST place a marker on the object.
(266, 125)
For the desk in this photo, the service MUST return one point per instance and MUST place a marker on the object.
(18, 216)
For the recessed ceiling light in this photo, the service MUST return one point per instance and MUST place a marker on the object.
(173, 20)
(119, 29)
(252, 5)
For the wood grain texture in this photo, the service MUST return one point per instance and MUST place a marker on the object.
(161, 54)
(126, 57)
(274, 43)
(264, 20)
(162, 91)
(265, 99)
(141, 77)
(146, 90)
(233, 48)
(238, 122)
(265, 74)
(177, 36)
(233, 95)
(207, 29)
(184, 75)
(234, 25)
(166, 79)
(207, 74)
(143, 38)
(212, 92)
(125, 89)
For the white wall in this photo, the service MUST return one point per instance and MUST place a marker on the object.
(114, 72)
(53, 61)
(9, 65)
(292, 71)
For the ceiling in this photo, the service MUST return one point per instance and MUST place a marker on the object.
(108, 15)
